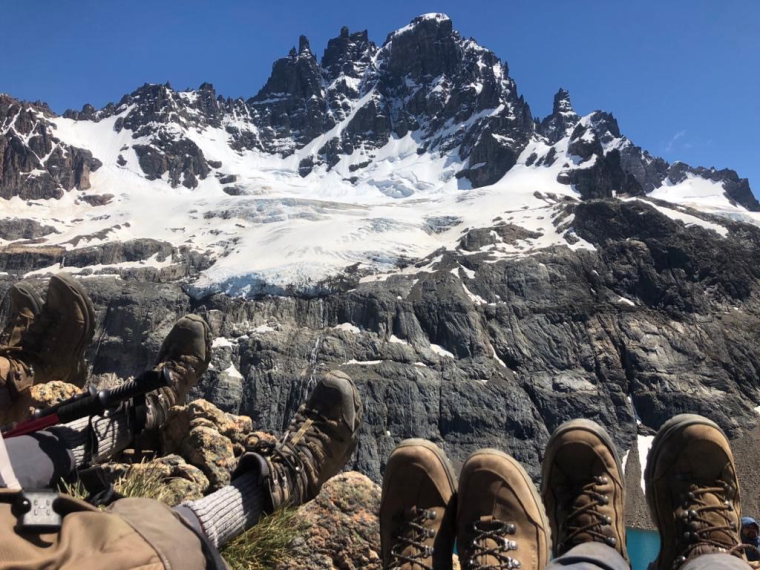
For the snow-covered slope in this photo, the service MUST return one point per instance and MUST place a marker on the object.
(375, 157)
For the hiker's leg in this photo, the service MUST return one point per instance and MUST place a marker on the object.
(590, 556)
(718, 561)
(317, 444)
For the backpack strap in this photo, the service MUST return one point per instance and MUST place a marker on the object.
(8, 478)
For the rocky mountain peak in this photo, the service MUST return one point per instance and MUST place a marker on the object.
(562, 120)
(562, 104)
(303, 45)
(424, 49)
(348, 54)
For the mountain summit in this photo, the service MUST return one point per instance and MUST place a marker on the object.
(384, 145)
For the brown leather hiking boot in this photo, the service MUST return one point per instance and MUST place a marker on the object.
(583, 487)
(416, 510)
(55, 342)
(25, 305)
(692, 491)
(317, 444)
(186, 352)
(501, 522)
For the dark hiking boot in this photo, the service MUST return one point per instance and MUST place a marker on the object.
(186, 353)
(583, 487)
(317, 444)
(417, 508)
(501, 522)
(25, 305)
(16, 375)
(692, 491)
(55, 342)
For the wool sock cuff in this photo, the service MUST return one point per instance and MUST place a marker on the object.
(231, 510)
(91, 440)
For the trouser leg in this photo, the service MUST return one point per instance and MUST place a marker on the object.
(590, 556)
(716, 562)
(45, 458)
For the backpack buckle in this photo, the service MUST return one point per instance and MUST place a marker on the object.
(36, 511)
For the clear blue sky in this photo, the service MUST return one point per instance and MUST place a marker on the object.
(681, 76)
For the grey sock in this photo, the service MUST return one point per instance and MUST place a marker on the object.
(90, 440)
(229, 511)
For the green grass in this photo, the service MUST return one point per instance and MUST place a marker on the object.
(265, 545)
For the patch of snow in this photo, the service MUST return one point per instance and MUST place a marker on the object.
(644, 444)
(397, 340)
(625, 301)
(364, 362)
(496, 357)
(263, 329)
(476, 299)
(234, 372)
(348, 327)
(440, 351)
(688, 220)
(221, 342)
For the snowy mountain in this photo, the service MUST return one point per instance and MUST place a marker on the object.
(370, 161)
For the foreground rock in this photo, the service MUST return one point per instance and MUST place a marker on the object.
(341, 527)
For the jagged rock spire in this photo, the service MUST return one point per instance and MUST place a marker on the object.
(562, 120)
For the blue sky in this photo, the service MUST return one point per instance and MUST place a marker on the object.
(682, 77)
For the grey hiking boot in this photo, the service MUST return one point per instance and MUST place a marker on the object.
(692, 491)
(186, 353)
(416, 509)
(583, 487)
(55, 342)
(501, 522)
(317, 444)
(25, 305)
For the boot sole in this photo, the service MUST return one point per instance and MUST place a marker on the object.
(83, 301)
(439, 454)
(530, 486)
(601, 433)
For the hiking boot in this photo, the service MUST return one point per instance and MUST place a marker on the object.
(55, 342)
(416, 509)
(317, 444)
(692, 491)
(25, 304)
(501, 522)
(186, 353)
(583, 487)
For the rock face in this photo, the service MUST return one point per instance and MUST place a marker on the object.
(34, 163)
(660, 318)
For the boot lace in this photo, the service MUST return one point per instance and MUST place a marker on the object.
(592, 524)
(303, 447)
(490, 541)
(413, 533)
(709, 526)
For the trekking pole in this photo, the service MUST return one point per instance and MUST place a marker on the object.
(94, 402)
